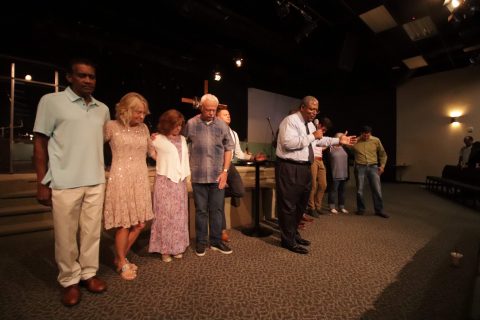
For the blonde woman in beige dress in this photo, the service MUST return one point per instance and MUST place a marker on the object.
(128, 202)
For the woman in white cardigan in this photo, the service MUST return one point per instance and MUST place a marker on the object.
(169, 232)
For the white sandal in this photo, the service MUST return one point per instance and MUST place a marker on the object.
(166, 258)
(133, 266)
(127, 273)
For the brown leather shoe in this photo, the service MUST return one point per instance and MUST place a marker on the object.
(225, 237)
(71, 295)
(94, 284)
(306, 218)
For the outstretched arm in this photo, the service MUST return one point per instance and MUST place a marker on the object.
(345, 139)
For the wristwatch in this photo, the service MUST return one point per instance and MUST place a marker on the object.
(225, 170)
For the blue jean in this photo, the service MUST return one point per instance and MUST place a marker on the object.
(338, 186)
(371, 171)
(209, 202)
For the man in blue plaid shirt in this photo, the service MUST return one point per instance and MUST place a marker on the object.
(210, 147)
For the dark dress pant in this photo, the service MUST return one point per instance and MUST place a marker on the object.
(234, 189)
(293, 184)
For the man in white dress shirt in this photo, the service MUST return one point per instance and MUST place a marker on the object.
(293, 177)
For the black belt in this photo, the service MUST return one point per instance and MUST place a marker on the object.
(301, 163)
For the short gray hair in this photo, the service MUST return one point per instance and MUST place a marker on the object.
(210, 97)
(306, 100)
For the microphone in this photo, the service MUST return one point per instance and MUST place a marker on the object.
(316, 122)
(270, 125)
(271, 128)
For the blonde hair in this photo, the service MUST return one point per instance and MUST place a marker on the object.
(124, 108)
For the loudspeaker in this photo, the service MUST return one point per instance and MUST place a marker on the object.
(349, 52)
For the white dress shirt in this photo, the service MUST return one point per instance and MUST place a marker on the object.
(293, 139)
(237, 151)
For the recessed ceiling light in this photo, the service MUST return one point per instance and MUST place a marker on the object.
(378, 19)
(419, 29)
(415, 62)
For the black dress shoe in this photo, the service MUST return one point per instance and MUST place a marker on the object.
(303, 242)
(359, 212)
(295, 248)
(382, 214)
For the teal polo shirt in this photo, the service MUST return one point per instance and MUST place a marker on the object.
(75, 145)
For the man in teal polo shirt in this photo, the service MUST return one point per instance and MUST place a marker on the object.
(68, 156)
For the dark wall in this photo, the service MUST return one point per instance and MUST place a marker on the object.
(349, 105)
(164, 79)
(376, 108)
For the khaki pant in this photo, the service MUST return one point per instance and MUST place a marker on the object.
(77, 219)
(319, 184)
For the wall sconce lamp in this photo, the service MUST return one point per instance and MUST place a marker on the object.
(454, 116)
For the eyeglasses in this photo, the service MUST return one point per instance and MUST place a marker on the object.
(313, 110)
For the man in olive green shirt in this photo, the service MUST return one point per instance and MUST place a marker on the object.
(370, 160)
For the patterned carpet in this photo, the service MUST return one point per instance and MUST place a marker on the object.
(359, 267)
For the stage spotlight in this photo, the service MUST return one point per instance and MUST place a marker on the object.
(239, 62)
(217, 76)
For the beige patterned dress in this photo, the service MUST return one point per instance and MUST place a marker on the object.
(128, 196)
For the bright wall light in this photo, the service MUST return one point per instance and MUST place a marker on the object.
(28, 77)
(455, 113)
(217, 76)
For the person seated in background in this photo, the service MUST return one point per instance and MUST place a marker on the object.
(235, 188)
(474, 159)
(465, 152)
